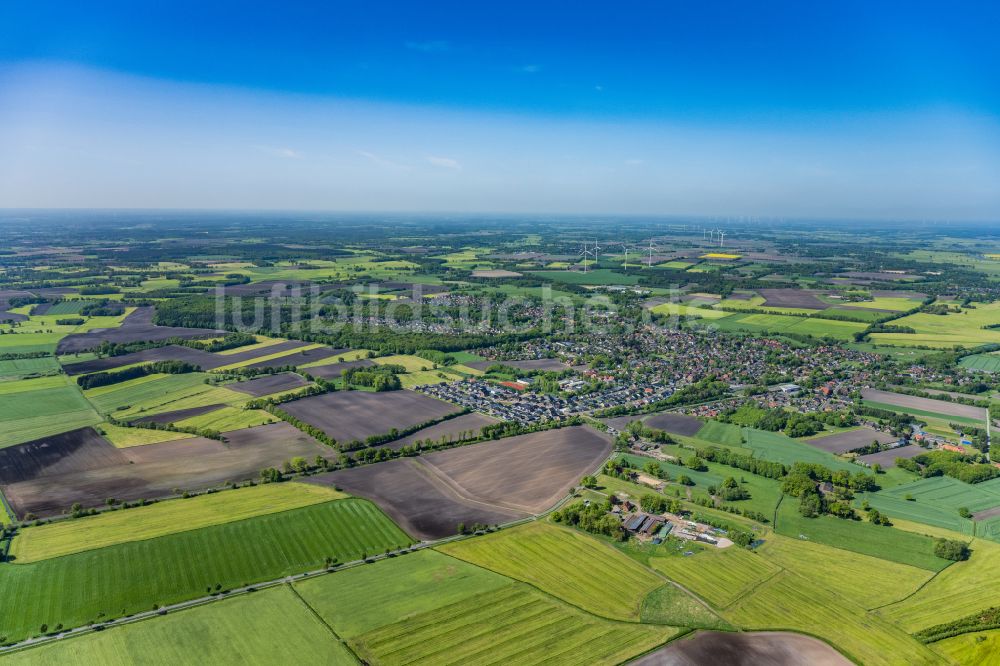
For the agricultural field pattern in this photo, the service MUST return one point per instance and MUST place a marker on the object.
(344, 444)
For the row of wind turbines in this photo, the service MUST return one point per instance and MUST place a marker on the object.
(593, 250)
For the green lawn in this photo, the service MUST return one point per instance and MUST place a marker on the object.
(566, 564)
(130, 577)
(266, 627)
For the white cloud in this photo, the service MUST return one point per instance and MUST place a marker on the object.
(283, 152)
(431, 46)
(531, 69)
(445, 162)
(384, 163)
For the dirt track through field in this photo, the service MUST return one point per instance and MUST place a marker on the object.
(491, 482)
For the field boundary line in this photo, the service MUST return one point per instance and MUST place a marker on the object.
(918, 589)
(322, 620)
(553, 597)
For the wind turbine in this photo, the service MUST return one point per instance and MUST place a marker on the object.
(585, 253)
(626, 256)
(722, 237)
(649, 263)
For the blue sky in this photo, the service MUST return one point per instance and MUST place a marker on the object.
(847, 109)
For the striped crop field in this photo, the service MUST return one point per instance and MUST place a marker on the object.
(127, 578)
(566, 564)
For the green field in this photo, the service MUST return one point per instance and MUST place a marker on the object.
(977, 649)
(950, 330)
(792, 602)
(771, 445)
(512, 624)
(596, 276)
(225, 419)
(66, 308)
(718, 575)
(867, 581)
(936, 501)
(566, 564)
(671, 605)
(856, 536)
(168, 517)
(34, 408)
(123, 438)
(962, 589)
(681, 310)
(261, 628)
(427, 607)
(21, 367)
(984, 362)
(160, 393)
(776, 323)
(361, 599)
(717, 432)
(130, 577)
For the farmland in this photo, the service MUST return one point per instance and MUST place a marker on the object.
(513, 622)
(983, 362)
(565, 564)
(863, 538)
(129, 577)
(792, 602)
(962, 589)
(595, 276)
(428, 607)
(243, 629)
(720, 576)
(355, 415)
(430, 496)
(936, 501)
(949, 330)
(924, 406)
(450, 551)
(148, 522)
(88, 469)
(34, 408)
